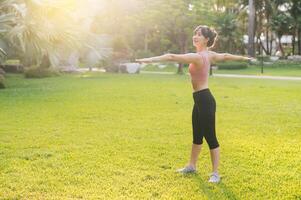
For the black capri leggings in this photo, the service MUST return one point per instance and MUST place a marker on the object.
(203, 118)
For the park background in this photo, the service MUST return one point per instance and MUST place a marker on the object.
(80, 120)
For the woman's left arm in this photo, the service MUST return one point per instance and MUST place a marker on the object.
(181, 58)
(219, 57)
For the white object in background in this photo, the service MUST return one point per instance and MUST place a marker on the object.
(161, 66)
(294, 58)
(274, 58)
(132, 67)
(267, 63)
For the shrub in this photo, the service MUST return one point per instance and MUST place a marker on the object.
(12, 68)
(2, 85)
(280, 64)
(286, 63)
(2, 72)
(38, 72)
(232, 65)
(264, 58)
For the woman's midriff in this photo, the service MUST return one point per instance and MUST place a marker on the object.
(198, 86)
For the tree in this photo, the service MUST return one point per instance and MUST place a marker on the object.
(44, 28)
(281, 24)
(295, 12)
(230, 39)
(7, 20)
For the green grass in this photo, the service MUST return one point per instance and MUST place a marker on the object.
(269, 71)
(105, 136)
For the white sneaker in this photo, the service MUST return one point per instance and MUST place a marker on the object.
(214, 178)
(187, 170)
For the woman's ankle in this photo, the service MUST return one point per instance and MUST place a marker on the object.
(215, 172)
(191, 165)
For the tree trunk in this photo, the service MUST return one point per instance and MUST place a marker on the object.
(299, 41)
(293, 43)
(183, 48)
(145, 41)
(267, 38)
(251, 29)
(45, 62)
(271, 44)
(280, 45)
(180, 69)
(263, 48)
(258, 46)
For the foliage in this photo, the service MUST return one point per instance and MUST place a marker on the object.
(12, 68)
(2, 55)
(229, 38)
(48, 28)
(40, 72)
(263, 58)
(2, 84)
(232, 65)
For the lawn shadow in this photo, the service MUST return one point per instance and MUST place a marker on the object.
(208, 188)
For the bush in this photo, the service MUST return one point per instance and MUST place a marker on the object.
(12, 68)
(2, 72)
(280, 64)
(142, 54)
(265, 58)
(38, 72)
(170, 67)
(2, 85)
(232, 65)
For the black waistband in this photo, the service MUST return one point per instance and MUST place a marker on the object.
(201, 91)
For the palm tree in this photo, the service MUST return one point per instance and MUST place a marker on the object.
(41, 30)
(6, 22)
(2, 55)
(46, 30)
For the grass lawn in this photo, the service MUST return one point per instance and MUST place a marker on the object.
(268, 71)
(105, 136)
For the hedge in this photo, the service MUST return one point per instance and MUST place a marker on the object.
(232, 65)
(38, 72)
(2, 85)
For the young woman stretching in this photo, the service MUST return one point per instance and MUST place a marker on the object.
(203, 114)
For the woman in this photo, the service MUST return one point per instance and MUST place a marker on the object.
(203, 114)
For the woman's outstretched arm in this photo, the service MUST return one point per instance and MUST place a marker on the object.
(218, 57)
(181, 58)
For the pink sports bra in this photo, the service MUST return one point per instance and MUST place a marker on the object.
(199, 75)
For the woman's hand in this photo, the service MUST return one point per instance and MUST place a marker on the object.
(253, 60)
(144, 60)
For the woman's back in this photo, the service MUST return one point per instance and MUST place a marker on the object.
(200, 74)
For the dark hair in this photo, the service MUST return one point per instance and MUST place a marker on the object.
(207, 33)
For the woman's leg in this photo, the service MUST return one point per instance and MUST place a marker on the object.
(195, 151)
(197, 143)
(197, 137)
(212, 141)
(214, 153)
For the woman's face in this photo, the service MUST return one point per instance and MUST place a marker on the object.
(199, 40)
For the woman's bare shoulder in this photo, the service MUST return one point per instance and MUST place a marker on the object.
(213, 56)
(212, 53)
